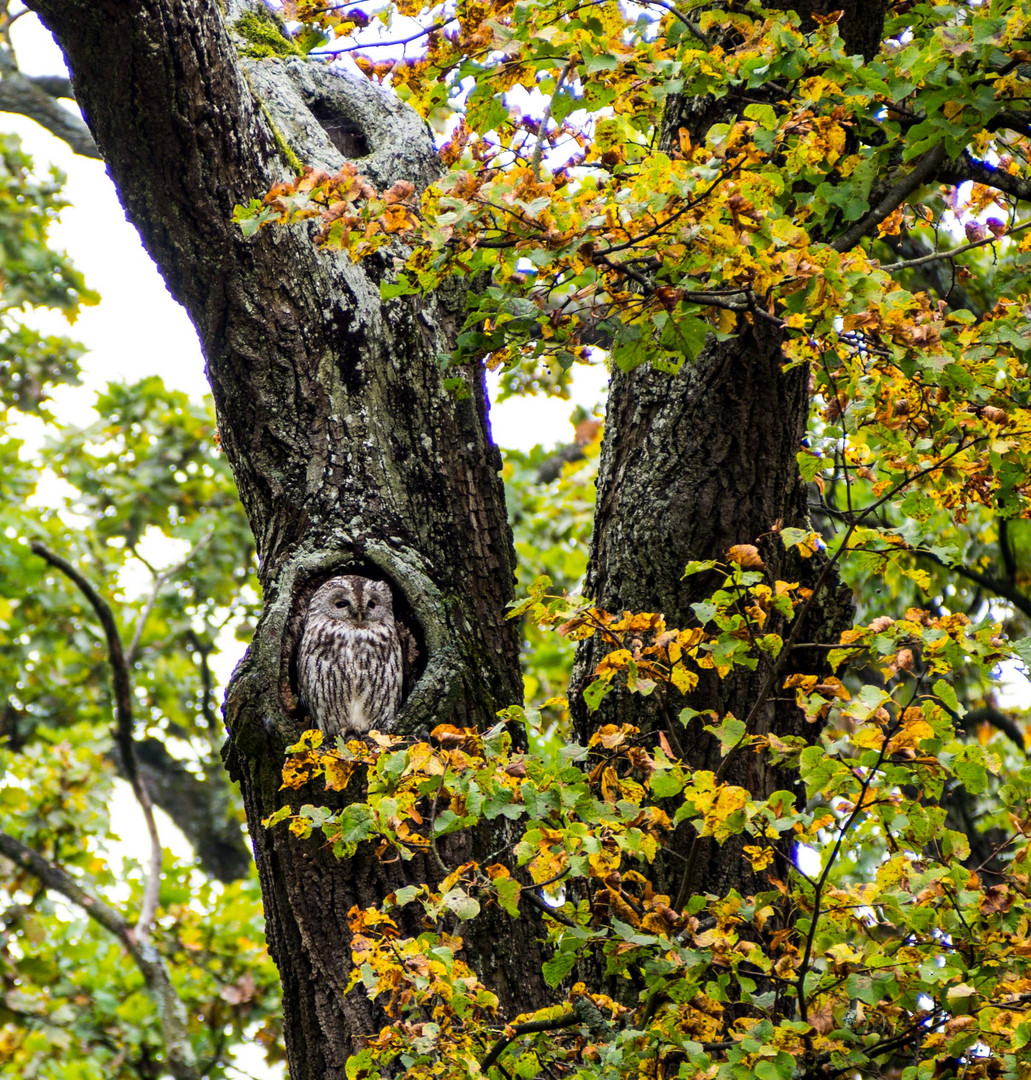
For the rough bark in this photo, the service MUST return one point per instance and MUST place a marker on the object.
(691, 465)
(347, 449)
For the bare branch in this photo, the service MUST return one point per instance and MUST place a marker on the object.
(123, 727)
(160, 580)
(936, 256)
(36, 98)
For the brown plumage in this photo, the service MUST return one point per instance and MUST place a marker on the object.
(349, 659)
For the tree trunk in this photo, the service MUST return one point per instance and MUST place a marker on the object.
(691, 465)
(347, 448)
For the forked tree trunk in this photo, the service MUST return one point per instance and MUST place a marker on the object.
(349, 451)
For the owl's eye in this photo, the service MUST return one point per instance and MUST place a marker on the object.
(342, 603)
(370, 605)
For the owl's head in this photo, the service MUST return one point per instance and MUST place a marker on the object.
(356, 601)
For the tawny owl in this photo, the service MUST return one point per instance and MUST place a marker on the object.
(349, 660)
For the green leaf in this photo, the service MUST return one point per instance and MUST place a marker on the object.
(559, 966)
(595, 692)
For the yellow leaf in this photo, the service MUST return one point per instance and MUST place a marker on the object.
(338, 773)
(759, 857)
(615, 661)
(685, 681)
(746, 556)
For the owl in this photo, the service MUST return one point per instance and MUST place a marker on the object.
(349, 659)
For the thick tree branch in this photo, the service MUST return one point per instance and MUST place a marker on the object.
(925, 170)
(959, 170)
(36, 98)
(59, 880)
(182, 1062)
(57, 86)
(995, 585)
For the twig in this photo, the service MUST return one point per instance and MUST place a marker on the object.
(767, 688)
(433, 820)
(689, 23)
(424, 32)
(160, 580)
(860, 807)
(538, 150)
(936, 256)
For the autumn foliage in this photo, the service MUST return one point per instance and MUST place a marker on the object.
(824, 186)
(638, 184)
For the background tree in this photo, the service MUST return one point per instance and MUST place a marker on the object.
(717, 229)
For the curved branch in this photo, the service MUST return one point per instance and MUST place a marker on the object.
(123, 727)
(182, 1062)
(59, 880)
(161, 579)
(533, 1026)
(202, 807)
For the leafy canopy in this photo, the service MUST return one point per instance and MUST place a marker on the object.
(818, 203)
(890, 930)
